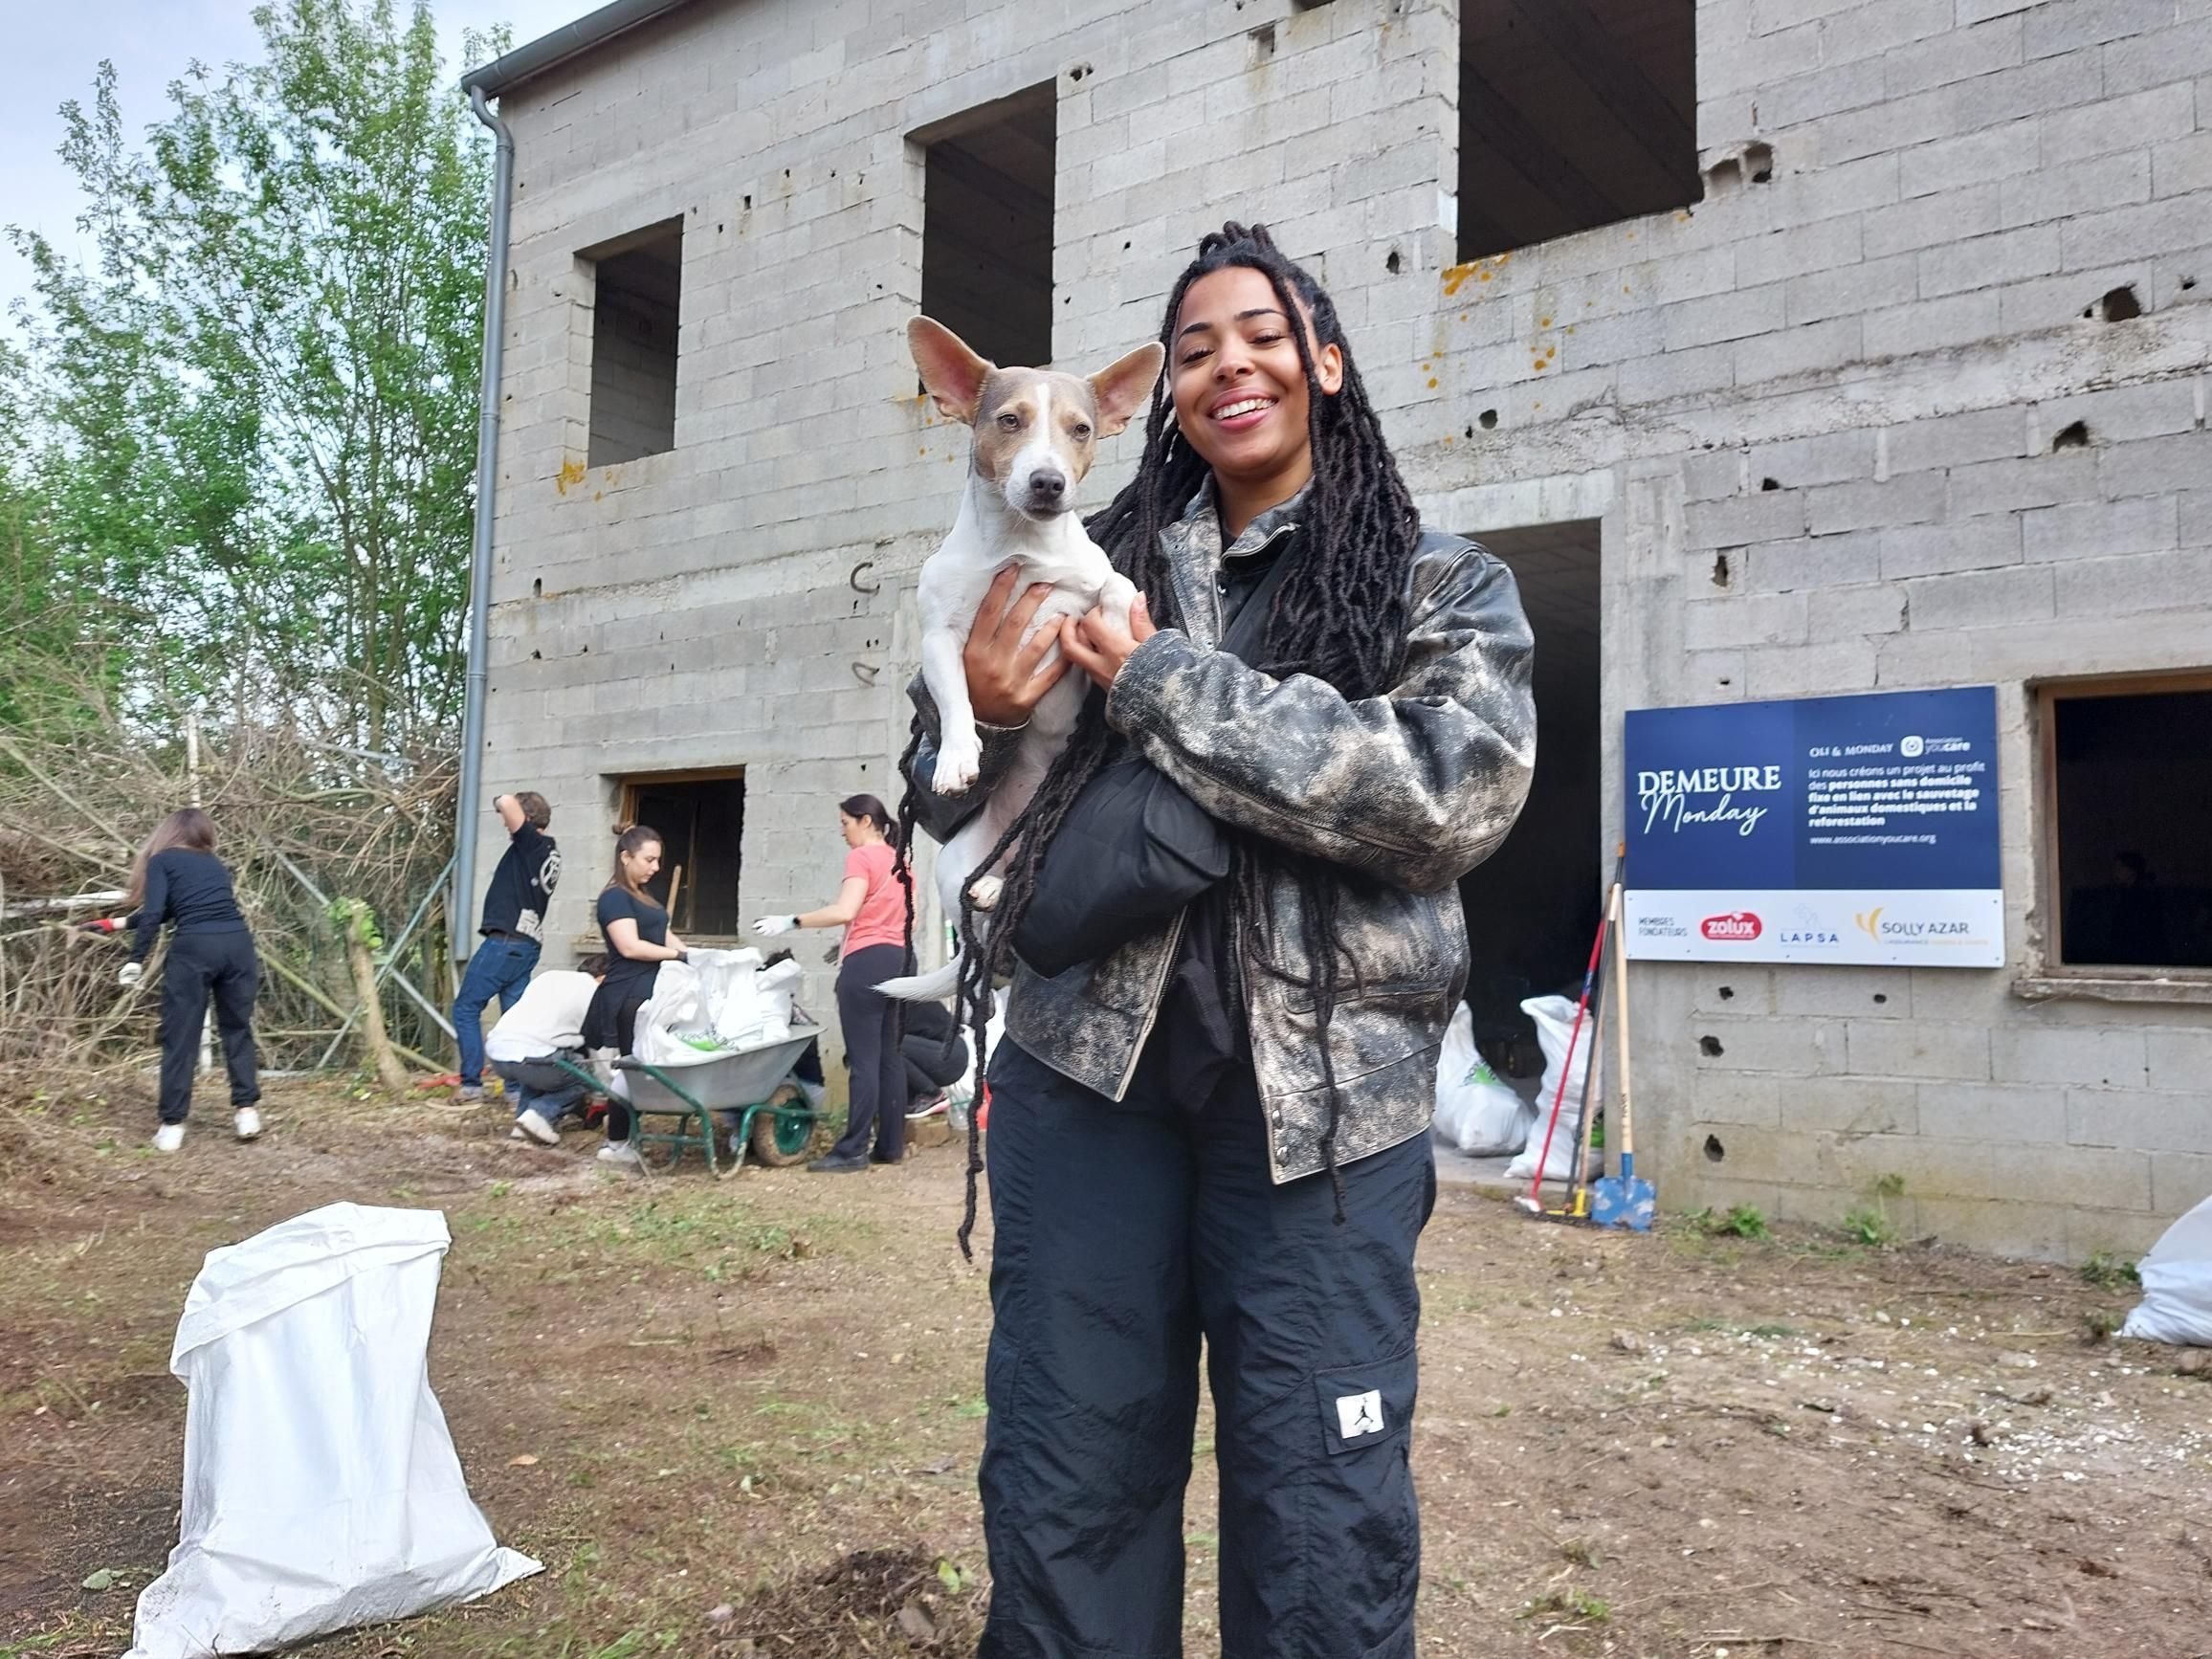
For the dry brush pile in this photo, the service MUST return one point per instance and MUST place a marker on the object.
(324, 843)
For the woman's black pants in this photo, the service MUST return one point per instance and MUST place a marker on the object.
(871, 1024)
(929, 1067)
(200, 966)
(1126, 1233)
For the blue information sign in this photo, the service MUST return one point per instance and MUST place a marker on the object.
(1838, 829)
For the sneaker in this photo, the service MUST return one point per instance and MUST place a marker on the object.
(168, 1137)
(248, 1121)
(516, 1134)
(468, 1094)
(622, 1153)
(936, 1108)
(832, 1164)
(532, 1123)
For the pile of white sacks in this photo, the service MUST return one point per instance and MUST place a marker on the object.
(717, 1003)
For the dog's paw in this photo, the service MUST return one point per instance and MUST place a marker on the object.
(985, 890)
(958, 766)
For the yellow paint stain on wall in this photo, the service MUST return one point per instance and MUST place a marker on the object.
(1432, 383)
(572, 473)
(1482, 270)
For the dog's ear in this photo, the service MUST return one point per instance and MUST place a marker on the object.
(954, 374)
(1121, 388)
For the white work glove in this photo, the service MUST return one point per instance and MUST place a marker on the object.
(130, 973)
(769, 926)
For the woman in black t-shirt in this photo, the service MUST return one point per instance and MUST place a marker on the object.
(638, 941)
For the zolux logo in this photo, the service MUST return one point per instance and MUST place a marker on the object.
(1738, 927)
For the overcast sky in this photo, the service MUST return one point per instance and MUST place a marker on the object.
(54, 48)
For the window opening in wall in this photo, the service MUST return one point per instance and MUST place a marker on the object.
(701, 820)
(1533, 906)
(987, 235)
(1573, 113)
(2129, 821)
(637, 286)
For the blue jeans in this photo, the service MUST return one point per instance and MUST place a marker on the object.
(501, 969)
(542, 1088)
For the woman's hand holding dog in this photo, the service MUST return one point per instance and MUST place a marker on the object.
(1099, 645)
(1005, 677)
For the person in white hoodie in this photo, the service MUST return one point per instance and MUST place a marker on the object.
(546, 1022)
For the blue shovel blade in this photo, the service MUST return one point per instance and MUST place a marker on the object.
(1624, 1199)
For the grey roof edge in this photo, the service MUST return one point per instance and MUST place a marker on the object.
(570, 40)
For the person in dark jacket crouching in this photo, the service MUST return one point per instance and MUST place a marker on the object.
(178, 879)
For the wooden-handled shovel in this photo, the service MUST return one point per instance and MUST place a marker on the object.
(1623, 1200)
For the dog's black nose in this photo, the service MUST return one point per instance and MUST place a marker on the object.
(1047, 486)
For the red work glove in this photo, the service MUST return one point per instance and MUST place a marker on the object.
(102, 924)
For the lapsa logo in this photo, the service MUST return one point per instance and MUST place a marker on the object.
(1738, 927)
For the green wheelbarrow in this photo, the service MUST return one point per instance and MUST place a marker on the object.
(741, 1090)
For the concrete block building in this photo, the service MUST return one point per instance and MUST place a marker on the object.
(1784, 347)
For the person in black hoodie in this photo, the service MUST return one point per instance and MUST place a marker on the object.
(178, 879)
(514, 927)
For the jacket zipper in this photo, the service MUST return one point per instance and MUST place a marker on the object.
(1152, 1005)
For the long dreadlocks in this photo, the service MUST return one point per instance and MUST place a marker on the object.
(1340, 616)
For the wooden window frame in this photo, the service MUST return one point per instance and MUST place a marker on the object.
(631, 785)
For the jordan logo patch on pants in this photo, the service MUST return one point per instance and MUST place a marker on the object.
(1358, 1414)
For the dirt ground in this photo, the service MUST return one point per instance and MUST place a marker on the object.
(745, 1417)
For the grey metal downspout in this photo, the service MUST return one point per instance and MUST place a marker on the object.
(460, 914)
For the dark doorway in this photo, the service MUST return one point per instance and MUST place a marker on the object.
(1533, 907)
(987, 228)
(701, 820)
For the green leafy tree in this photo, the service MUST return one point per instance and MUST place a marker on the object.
(255, 410)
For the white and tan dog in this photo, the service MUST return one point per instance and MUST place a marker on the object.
(1036, 433)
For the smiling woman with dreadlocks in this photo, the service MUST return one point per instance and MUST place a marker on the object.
(1216, 1130)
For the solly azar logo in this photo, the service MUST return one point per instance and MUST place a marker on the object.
(1738, 927)
(1871, 924)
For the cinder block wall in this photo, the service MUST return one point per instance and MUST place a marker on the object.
(1818, 416)
(1890, 330)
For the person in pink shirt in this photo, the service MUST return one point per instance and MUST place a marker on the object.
(870, 907)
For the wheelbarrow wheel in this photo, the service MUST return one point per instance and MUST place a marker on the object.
(780, 1138)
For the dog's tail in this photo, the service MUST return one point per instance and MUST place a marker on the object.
(929, 987)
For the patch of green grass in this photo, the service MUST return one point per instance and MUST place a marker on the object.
(1725, 1327)
(1869, 1225)
(1740, 1221)
(1872, 1224)
(2111, 1273)
(1579, 1605)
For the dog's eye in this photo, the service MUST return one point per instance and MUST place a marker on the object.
(1010, 420)
(1081, 430)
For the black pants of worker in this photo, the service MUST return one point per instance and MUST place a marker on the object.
(869, 1020)
(1123, 1236)
(929, 1069)
(204, 965)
